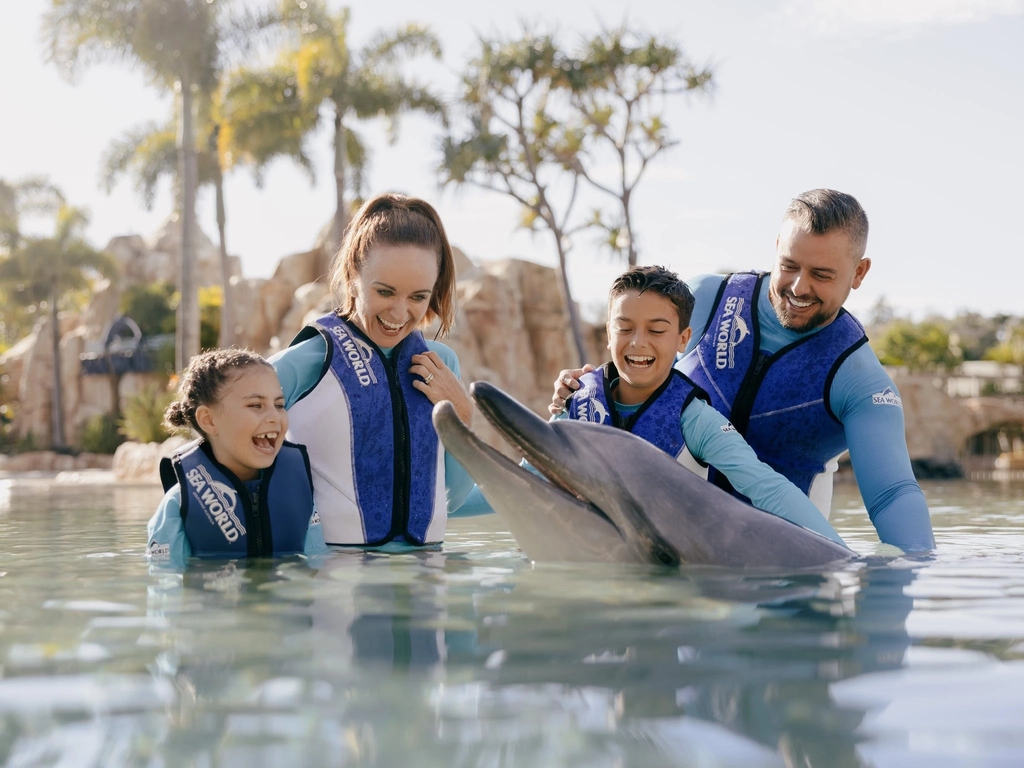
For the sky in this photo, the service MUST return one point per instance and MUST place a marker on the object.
(916, 107)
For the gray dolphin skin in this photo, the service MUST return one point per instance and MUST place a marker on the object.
(614, 497)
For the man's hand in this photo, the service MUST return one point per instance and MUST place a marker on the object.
(565, 385)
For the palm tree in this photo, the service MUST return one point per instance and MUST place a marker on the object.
(47, 269)
(181, 45)
(359, 84)
(31, 196)
(229, 135)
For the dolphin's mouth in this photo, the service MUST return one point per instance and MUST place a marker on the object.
(527, 434)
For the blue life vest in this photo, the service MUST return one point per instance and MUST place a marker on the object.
(222, 517)
(377, 465)
(780, 402)
(657, 420)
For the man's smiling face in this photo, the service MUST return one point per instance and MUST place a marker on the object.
(812, 276)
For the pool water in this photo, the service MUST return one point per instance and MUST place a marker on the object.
(472, 656)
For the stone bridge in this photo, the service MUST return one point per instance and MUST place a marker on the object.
(938, 425)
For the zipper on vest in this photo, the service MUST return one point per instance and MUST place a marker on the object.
(402, 481)
(744, 404)
(256, 521)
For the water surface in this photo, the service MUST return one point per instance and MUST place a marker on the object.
(472, 656)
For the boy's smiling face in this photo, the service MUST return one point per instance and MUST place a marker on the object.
(643, 337)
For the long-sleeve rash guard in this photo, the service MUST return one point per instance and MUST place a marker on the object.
(875, 434)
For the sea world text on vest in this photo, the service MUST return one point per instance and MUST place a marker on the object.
(218, 501)
(358, 355)
(731, 331)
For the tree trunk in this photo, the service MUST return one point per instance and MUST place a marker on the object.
(628, 224)
(570, 305)
(227, 315)
(341, 211)
(188, 306)
(57, 399)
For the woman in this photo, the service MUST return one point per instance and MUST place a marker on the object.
(361, 382)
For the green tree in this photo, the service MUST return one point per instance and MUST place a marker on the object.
(1010, 348)
(29, 197)
(923, 346)
(513, 144)
(43, 271)
(354, 84)
(619, 83)
(229, 134)
(182, 46)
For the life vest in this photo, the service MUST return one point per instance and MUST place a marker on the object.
(780, 402)
(222, 517)
(657, 420)
(378, 468)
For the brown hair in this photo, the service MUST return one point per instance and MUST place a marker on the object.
(394, 219)
(203, 380)
(821, 211)
(660, 281)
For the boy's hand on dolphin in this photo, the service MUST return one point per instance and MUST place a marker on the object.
(565, 385)
(438, 383)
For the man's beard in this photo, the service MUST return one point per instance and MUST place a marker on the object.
(779, 304)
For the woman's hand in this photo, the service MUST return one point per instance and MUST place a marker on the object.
(438, 383)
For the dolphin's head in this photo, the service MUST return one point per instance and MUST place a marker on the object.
(612, 496)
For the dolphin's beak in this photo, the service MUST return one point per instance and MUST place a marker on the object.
(530, 435)
(492, 471)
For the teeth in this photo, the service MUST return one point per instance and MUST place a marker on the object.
(801, 304)
(639, 359)
(390, 326)
(269, 435)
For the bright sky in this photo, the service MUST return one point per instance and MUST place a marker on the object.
(916, 107)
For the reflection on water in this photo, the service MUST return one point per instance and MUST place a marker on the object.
(472, 656)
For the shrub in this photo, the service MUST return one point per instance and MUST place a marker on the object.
(100, 434)
(144, 415)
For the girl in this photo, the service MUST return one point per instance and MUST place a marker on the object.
(361, 382)
(240, 489)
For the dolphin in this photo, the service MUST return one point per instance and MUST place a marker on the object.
(614, 497)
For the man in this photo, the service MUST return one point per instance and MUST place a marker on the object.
(792, 370)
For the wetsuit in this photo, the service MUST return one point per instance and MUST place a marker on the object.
(305, 367)
(222, 516)
(860, 397)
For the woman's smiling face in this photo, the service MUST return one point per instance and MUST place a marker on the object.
(392, 293)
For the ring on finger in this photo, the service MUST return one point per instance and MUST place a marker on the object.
(428, 378)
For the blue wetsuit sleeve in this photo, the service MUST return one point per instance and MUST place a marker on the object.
(875, 434)
(167, 545)
(298, 367)
(459, 485)
(712, 439)
(315, 544)
(705, 289)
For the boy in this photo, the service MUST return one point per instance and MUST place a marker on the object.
(640, 391)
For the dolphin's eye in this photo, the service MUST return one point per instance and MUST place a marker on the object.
(665, 556)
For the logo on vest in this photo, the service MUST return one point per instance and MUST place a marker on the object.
(158, 550)
(887, 396)
(592, 410)
(218, 501)
(357, 354)
(732, 329)
(727, 428)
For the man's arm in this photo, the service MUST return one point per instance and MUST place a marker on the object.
(876, 437)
